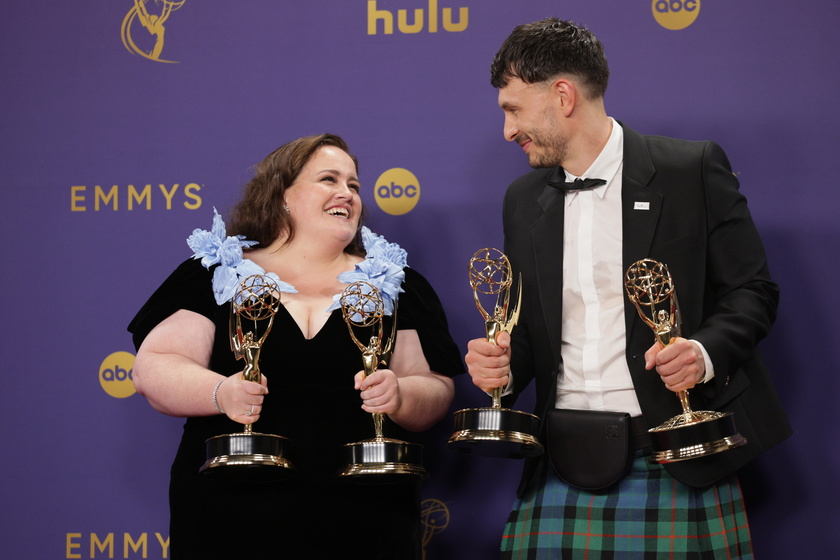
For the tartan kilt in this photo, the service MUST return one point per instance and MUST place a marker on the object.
(648, 515)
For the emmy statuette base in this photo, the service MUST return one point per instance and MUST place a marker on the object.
(251, 456)
(496, 432)
(382, 460)
(696, 434)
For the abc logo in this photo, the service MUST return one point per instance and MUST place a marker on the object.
(675, 14)
(397, 191)
(115, 375)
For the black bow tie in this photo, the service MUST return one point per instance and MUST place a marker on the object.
(578, 184)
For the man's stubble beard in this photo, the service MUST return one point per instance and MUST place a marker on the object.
(551, 147)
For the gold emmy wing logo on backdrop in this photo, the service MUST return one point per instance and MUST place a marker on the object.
(397, 191)
(148, 28)
(435, 518)
(115, 375)
(675, 14)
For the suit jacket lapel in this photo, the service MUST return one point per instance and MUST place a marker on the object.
(547, 239)
(640, 208)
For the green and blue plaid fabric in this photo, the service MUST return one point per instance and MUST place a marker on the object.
(648, 516)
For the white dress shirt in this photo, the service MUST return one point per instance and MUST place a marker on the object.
(594, 373)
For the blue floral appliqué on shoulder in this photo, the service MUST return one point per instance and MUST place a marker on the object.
(216, 247)
(382, 267)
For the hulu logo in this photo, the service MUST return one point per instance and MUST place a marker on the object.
(427, 19)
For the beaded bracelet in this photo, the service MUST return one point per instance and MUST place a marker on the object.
(215, 401)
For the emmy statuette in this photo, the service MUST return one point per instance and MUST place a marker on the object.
(495, 431)
(262, 456)
(379, 459)
(691, 434)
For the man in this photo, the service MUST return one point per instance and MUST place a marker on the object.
(579, 336)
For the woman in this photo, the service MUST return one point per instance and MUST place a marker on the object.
(302, 217)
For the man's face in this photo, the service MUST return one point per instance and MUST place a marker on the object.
(533, 122)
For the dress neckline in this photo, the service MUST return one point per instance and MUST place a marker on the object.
(299, 331)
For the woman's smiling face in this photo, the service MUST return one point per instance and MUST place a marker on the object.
(324, 199)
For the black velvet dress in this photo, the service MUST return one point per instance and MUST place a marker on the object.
(312, 402)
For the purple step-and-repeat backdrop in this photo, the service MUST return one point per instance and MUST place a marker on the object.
(125, 122)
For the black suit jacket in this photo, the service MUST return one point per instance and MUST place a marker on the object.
(692, 218)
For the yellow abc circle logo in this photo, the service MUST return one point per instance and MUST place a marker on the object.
(675, 14)
(397, 191)
(115, 375)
